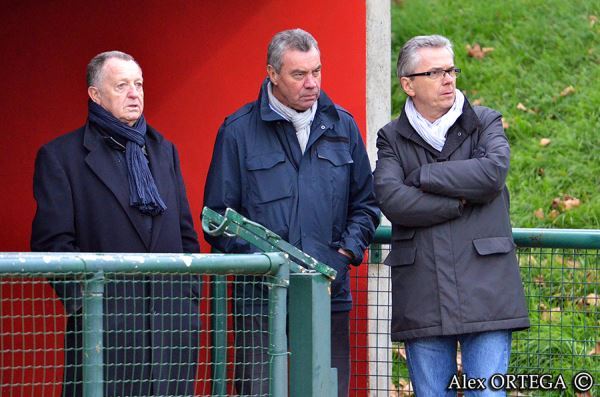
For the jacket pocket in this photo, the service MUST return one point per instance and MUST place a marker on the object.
(332, 173)
(401, 256)
(494, 245)
(268, 180)
(336, 157)
(402, 234)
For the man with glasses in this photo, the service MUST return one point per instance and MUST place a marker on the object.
(440, 180)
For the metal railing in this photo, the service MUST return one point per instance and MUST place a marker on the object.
(560, 271)
(32, 320)
(561, 275)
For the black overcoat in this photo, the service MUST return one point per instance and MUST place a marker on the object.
(151, 322)
(453, 266)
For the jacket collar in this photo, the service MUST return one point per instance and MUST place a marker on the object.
(326, 116)
(467, 123)
(326, 110)
(101, 161)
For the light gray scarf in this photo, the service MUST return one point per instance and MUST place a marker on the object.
(300, 120)
(434, 133)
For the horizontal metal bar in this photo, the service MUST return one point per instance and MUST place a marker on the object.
(69, 262)
(543, 238)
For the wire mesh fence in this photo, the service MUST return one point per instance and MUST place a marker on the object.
(159, 333)
(205, 331)
(562, 286)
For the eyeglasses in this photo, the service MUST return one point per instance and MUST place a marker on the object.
(437, 74)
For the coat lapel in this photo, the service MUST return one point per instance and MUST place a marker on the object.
(104, 164)
(463, 128)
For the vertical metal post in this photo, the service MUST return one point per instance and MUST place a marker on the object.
(219, 335)
(311, 374)
(278, 346)
(93, 371)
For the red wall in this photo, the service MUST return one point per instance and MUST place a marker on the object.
(201, 60)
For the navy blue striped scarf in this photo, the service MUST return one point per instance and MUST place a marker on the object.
(143, 193)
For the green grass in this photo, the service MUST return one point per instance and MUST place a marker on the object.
(540, 48)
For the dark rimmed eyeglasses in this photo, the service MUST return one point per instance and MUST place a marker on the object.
(437, 74)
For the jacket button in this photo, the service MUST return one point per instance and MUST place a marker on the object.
(459, 133)
(323, 127)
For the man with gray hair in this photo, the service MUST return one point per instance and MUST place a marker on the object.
(294, 162)
(115, 185)
(440, 180)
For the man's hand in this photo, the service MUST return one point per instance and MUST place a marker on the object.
(346, 253)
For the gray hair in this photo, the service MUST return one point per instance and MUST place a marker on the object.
(295, 39)
(408, 58)
(94, 68)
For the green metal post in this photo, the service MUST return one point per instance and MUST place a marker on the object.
(92, 336)
(278, 382)
(219, 335)
(311, 374)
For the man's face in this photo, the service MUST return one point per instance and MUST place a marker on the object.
(432, 98)
(120, 90)
(298, 83)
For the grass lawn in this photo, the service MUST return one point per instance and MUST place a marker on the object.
(542, 72)
(543, 75)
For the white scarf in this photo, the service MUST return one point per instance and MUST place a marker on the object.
(434, 133)
(300, 120)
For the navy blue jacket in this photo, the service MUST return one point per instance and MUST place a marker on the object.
(319, 201)
(82, 193)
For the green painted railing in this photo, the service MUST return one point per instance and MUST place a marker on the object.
(542, 238)
(274, 264)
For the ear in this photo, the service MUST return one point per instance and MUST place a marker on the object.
(94, 94)
(273, 75)
(407, 86)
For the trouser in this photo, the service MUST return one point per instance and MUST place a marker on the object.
(432, 362)
(252, 359)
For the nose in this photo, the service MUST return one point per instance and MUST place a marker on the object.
(448, 78)
(133, 91)
(310, 81)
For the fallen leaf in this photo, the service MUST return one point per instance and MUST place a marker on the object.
(595, 351)
(541, 171)
(571, 203)
(592, 299)
(504, 124)
(593, 19)
(551, 315)
(584, 394)
(539, 213)
(545, 141)
(539, 280)
(401, 351)
(405, 388)
(521, 107)
(565, 203)
(572, 264)
(553, 214)
(477, 52)
(567, 91)
(477, 102)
